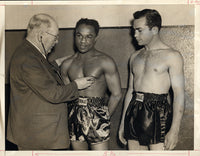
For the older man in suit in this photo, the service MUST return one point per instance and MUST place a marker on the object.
(38, 112)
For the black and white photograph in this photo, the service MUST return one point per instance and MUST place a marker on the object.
(99, 77)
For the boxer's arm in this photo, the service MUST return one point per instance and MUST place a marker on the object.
(64, 68)
(128, 98)
(59, 61)
(113, 83)
(177, 82)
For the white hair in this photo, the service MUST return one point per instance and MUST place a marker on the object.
(40, 21)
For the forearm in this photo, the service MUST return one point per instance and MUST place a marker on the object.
(126, 104)
(113, 102)
(178, 110)
(57, 94)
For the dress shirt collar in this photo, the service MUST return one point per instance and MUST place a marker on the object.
(36, 47)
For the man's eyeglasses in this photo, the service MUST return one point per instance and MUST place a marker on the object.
(55, 36)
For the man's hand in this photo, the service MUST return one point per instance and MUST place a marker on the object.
(171, 140)
(121, 135)
(84, 82)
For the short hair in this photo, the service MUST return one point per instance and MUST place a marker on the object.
(91, 22)
(153, 17)
(39, 20)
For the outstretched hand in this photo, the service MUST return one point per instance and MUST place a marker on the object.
(84, 82)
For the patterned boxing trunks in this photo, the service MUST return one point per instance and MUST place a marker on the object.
(89, 120)
(148, 118)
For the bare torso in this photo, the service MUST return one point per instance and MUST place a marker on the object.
(151, 71)
(89, 66)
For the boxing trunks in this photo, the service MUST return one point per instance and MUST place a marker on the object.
(148, 118)
(89, 120)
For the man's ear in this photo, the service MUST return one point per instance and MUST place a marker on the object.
(155, 30)
(40, 35)
(96, 38)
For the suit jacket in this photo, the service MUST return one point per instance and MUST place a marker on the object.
(38, 113)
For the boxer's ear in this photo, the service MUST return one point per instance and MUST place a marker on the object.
(96, 38)
(154, 30)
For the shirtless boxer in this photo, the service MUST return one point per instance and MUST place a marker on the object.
(146, 121)
(89, 118)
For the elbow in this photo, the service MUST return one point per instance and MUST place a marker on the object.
(53, 100)
(179, 106)
(118, 95)
(54, 97)
(182, 109)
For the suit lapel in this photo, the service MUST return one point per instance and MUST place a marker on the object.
(52, 68)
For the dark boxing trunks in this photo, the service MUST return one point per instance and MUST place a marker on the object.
(148, 118)
(89, 120)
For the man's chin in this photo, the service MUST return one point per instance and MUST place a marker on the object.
(50, 50)
(82, 51)
(140, 43)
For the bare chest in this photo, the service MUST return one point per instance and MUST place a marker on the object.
(85, 68)
(153, 64)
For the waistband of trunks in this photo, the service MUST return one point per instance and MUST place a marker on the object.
(143, 96)
(94, 101)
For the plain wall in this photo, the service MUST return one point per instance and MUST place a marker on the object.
(17, 17)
